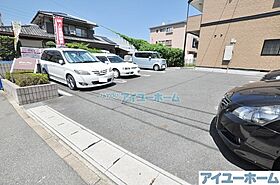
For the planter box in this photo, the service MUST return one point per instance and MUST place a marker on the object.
(30, 94)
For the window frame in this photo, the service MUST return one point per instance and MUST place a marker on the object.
(137, 55)
(262, 52)
(104, 57)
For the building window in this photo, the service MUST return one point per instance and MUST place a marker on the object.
(271, 48)
(169, 30)
(195, 43)
(84, 33)
(162, 30)
(50, 27)
(276, 4)
(78, 32)
(168, 43)
(66, 30)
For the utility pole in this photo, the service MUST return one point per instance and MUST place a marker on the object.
(186, 30)
(1, 22)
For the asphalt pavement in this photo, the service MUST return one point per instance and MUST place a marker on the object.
(25, 158)
(173, 134)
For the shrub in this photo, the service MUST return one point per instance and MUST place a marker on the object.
(173, 56)
(7, 50)
(24, 79)
(50, 44)
(84, 46)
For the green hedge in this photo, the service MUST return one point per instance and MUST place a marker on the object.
(50, 44)
(84, 46)
(24, 78)
(173, 56)
(7, 50)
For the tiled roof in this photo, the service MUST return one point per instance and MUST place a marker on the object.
(104, 39)
(36, 32)
(28, 30)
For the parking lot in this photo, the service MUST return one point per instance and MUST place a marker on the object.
(169, 127)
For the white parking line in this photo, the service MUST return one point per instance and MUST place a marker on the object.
(117, 163)
(150, 71)
(120, 81)
(63, 93)
(173, 68)
(252, 81)
(145, 75)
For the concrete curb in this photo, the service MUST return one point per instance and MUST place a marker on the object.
(118, 164)
(231, 71)
(90, 174)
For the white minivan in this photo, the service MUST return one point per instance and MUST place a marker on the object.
(118, 65)
(148, 60)
(75, 67)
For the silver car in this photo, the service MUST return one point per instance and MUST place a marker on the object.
(149, 60)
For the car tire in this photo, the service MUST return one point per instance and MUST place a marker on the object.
(44, 71)
(71, 82)
(116, 73)
(156, 67)
(276, 165)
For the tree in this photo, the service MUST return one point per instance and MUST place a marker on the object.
(50, 44)
(7, 50)
(173, 56)
(84, 46)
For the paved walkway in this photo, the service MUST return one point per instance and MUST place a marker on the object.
(25, 158)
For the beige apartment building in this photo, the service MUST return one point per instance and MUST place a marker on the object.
(239, 34)
(172, 35)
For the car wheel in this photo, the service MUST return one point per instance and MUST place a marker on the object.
(276, 165)
(116, 73)
(45, 72)
(156, 67)
(71, 82)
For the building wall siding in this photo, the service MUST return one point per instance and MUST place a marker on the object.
(250, 36)
(31, 43)
(215, 10)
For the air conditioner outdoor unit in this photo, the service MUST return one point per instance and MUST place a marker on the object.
(72, 32)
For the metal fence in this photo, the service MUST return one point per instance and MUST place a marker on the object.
(5, 66)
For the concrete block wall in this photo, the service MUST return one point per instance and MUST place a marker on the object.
(30, 94)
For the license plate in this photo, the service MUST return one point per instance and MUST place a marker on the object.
(103, 79)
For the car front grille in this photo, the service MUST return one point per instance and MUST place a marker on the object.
(232, 138)
(225, 102)
(100, 73)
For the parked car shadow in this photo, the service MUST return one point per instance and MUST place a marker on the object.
(129, 77)
(87, 89)
(98, 88)
(148, 69)
(228, 154)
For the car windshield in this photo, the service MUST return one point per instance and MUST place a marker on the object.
(79, 57)
(115, 59)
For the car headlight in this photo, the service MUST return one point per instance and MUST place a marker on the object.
(110, 69)
(258, 115)
(81, 72)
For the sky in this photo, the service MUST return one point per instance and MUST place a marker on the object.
(132, 18)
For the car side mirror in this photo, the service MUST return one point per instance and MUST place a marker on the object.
(61, 62)
(106, 62)
(150, 58)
